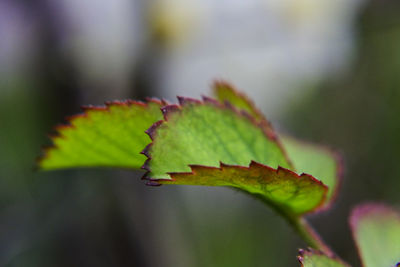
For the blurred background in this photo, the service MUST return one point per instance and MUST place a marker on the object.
(325, 71)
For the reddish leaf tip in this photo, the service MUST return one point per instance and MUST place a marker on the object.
(146, 167)
(305, 252)
(368, 209)
(223, 83)
(146, 150)
(167, 110)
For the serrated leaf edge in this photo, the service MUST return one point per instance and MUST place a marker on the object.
(183, 101)
(194, 168)
(220, 82)
(262, 120)
(69, 121)
(340, 168)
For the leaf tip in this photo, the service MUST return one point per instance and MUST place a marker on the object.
(219, 84)
(370, 209)
(167, 110)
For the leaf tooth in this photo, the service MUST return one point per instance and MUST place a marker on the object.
(146, 150)
(227, 166)
(126, 103)
(44, 155)
(116, 103)
(223, 165)
(246, 114)
(168, 110)
(306, 252)
(229, 105)
(196, 167)
(152, 130)
(56, 134)
(281, 169)
(207, 99)
(146, 175)
(254, 164)
(187, 100)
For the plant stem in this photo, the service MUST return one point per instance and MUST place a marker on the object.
(310, 236)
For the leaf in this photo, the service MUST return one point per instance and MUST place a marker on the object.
(226, 93)
(283, 189)
(319, 161)
(208, 133)
(313, 258)
(376, 231)
(109, 136)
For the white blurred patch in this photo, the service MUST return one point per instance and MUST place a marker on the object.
(102, 37)
(17, 39)
(266, 48)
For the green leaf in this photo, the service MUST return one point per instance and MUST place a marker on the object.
(109, 136)
(208, 133)
(319, 161)
(225, 92)
(286, 191)
(376, 231)
(312, 258)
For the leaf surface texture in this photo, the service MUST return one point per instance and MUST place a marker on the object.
(109, 136)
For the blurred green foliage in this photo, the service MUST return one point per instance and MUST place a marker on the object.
(358, 113)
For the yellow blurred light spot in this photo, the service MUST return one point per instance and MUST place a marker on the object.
(173, 22)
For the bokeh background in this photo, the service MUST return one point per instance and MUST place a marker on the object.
(325, 71)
